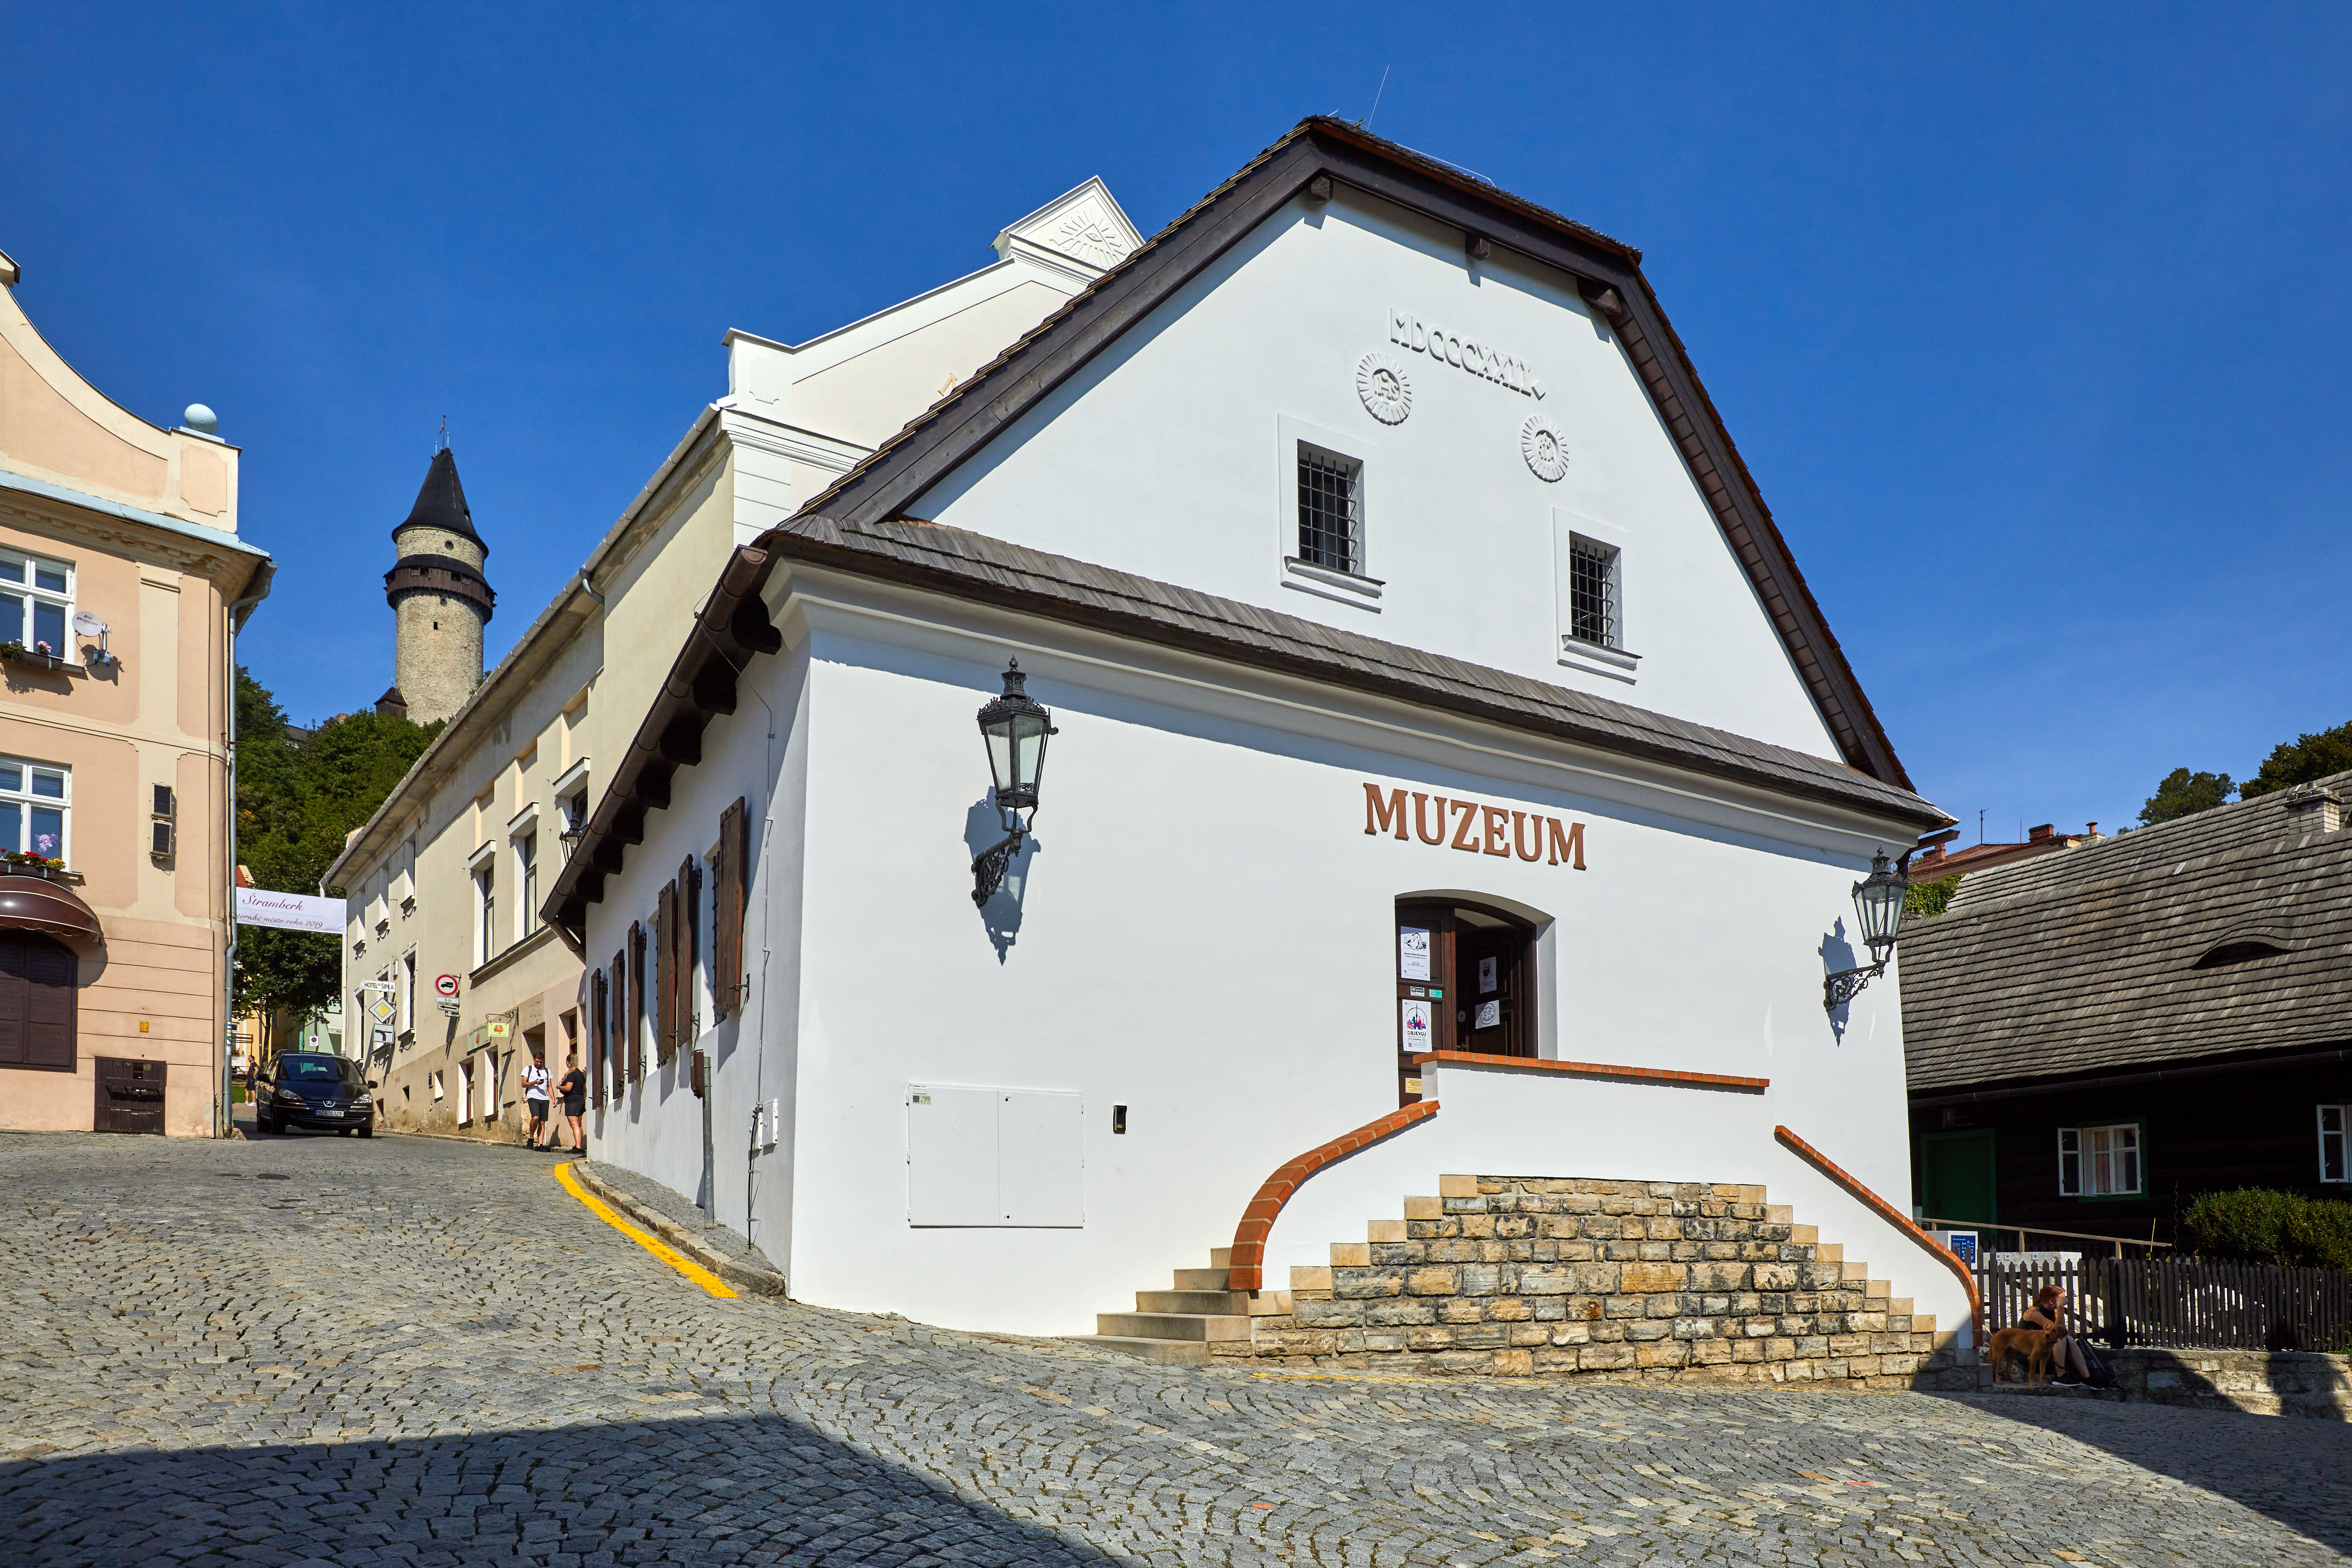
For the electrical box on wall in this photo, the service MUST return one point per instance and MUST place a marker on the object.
(995, 1157)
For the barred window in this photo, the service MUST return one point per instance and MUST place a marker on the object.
(1592, 609)
(2332, 1161)
(1331, 510)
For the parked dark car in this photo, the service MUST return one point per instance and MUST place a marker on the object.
(307, 1089)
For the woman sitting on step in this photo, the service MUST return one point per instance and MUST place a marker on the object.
(2048, 1313)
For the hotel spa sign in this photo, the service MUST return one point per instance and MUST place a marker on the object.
(1474, 826)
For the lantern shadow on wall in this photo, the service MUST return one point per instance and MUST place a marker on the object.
(1000, 912)
(1837, 957)
(1014, 729)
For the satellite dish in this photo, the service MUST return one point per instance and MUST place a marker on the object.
(87, 625)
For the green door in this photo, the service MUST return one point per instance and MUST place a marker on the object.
(1955, 1176)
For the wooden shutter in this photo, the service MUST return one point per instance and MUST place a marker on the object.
(36, 1001)
(689, 945)
(597, 1038)
(666, 973)
(636, 1001)
(727, 913)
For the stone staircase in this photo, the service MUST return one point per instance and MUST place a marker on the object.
(1515, 1276)
(1190, 1322)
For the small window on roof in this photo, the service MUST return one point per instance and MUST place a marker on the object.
(2238, 950)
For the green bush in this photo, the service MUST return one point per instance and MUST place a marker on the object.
(2257, 1225)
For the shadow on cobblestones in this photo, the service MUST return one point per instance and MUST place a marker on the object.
(698, 1492)
(2294, 1470)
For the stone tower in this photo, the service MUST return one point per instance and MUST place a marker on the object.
(440, 600)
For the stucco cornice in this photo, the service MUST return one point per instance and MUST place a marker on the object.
(219, 556)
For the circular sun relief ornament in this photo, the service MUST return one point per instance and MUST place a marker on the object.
(1545, 453)
(1381, 382)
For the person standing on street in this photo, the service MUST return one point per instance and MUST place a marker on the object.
(534, 1097)
(574, 1090)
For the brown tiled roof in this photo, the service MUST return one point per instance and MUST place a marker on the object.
(2088, 960)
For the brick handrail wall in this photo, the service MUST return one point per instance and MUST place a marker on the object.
(1600, 1070)
(1897, 1219)
(1248, 1263)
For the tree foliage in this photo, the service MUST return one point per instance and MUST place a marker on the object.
(1925, 900)
(2304, 758)
(2183, 792)
(297, 799)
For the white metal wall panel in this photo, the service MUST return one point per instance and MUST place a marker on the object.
(950, 1155)
(1040, 1159)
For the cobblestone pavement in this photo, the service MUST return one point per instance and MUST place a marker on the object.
(421, 1351)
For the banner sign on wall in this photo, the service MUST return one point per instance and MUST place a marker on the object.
(289, 911)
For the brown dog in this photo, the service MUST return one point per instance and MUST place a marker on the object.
(2032, 1343)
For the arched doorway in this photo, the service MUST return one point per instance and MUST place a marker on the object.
(1466, 981)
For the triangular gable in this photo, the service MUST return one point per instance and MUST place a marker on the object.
(893, 481)
(1084, 224)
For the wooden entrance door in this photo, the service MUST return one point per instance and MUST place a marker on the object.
(1465, 982)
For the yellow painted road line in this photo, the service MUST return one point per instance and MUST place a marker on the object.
(667, 1254)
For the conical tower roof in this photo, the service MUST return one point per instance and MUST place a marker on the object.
(441, 503)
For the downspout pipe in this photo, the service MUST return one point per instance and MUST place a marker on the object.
(258, 585)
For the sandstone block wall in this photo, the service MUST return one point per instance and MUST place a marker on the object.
(1523, 1276)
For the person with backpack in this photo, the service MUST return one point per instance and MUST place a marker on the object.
(534, 1097)
(2071, 1368)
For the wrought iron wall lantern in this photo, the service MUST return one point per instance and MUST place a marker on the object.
(1015, 727)
(1878, 908)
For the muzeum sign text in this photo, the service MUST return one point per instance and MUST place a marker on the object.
(1477, 828)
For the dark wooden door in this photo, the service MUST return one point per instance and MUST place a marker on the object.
(1493, 979)
(36, 1001)
(130, 1095)
(1424, 964)
(1955, 1176)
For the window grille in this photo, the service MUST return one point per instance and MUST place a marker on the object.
(2333, 1164)
(1592, 593)
(2098, 1162)
(526, 847)
(1330, 511)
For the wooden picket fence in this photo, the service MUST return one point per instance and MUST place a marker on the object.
(2180, 1303)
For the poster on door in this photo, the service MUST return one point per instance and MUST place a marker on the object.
(1418, 1028)
(1490, 1016)
(1486, 982)
(1413, 953)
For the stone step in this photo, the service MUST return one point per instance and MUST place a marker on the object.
(1222, 1303)
(1180, 1353)
(1830, 1252)
(1270, 1304)
(1205, 1279)
(1804, 1235)
(1309, 1281)
(1899, 1305)
(1351, 1254)
(1424, 1208)
(1879, 1290)
(1780, 1214)
(1923, 1323)
(1221, 1257)
(1202, 1326)
(1384, 1231)
(1854, 1273)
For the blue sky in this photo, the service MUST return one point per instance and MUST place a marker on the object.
(2029, 321)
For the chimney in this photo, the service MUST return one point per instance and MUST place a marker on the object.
(2313, 809)
(2042, 835)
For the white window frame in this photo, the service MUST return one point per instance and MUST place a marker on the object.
(2082, 1150)
(524, 829)
(24, 798)
(1358, 587)
(2341, 1137)
(31, 593)
(405, 995)
(484, 862)
(1612, 660)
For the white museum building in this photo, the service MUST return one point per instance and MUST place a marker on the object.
(1452, 803)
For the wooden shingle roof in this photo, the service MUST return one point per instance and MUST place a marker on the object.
(2222, 933)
